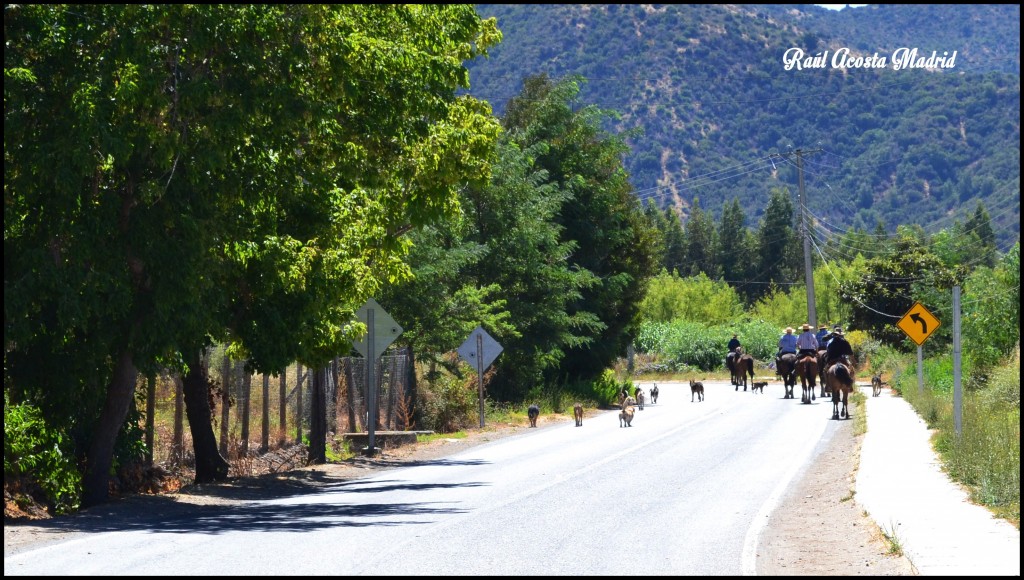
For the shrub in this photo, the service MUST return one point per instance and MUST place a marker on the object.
(449, 403)
(36, 454)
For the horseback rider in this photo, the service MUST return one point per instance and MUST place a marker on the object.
(787, 343)
(837, 348)
(734, 343)
(822, 332)
(828, 337)
(807, 342)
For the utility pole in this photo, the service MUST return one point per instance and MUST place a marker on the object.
(812, 314)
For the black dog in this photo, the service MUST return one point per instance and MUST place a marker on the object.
(533, 412)
(654, 394)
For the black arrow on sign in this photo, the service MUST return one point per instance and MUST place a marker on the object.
(917, 318)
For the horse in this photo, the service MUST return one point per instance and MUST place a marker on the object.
(840, 378)
(785, 366)
(730, 363)
(742, 366)
(807, 369)
(825, 390)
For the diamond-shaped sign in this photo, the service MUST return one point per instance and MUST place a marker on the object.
(918, 323)
(489, 349)
(378, 323)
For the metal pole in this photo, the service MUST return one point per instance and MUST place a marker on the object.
(371, 391)
(812, 314)
(480, 373)
(920, 371)
(957, 391)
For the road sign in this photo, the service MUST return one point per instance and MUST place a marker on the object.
(380, 326)
(489, 349)
(918, 323)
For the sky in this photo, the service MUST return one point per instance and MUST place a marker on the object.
(839, 6)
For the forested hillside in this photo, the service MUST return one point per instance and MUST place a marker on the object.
(707, 87)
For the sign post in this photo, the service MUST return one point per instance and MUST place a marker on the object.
(480, 350)
(918, 324)
(382, 330)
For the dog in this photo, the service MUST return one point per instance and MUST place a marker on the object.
(533, 412)
(626, 416)
(640, 398)
(876, 385)
(757, 386)
(696, 389)
(577, 412)
(654, 394)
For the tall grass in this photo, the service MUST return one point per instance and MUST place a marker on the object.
(986, 456)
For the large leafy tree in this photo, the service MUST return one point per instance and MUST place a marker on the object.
(176, 174)
(891, 283)
(614, 240)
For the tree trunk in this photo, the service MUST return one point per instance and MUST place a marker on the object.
(350, 404)
(283, 408)
(415, 416)
(265, 434)
(318, 416)
(244, 399)
(96, 483)
(210, 464)
(150, 409)
(178, 446)
(298, 402)
(225, 403)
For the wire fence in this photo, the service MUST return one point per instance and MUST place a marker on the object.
(256, 413)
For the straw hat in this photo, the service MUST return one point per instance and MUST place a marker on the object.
(789, 329)
(805, 326)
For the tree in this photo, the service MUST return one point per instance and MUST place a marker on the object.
(701, 243)
(734, 254)
(777, 244)
(980, 225)
(239, 173)
(892, 283)
(613, 240)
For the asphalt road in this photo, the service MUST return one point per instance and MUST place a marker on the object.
(685, 491)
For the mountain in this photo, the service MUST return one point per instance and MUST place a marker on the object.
(709, 91)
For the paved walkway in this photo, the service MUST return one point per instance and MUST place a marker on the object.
(903, 488)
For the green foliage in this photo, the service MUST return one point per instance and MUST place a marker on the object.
(782, 307)
(991, 310)
(450, 404)
(692, 299)
(864, 347)
(690, 344)
(986, 456)
(38, 452)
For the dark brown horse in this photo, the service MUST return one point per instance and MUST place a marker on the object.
(821, 374)
(742, 367)
(807, 370)
(785, 367)
(840, 379)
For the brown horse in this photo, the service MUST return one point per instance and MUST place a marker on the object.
(825, 390)
(742, 367)
(840, 379)
(785, 367)
(807, 369)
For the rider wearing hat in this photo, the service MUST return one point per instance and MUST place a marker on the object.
(837, 347)
(807, 342)
(787, 343)
(822, 332)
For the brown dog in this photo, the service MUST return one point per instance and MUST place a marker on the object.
(876, 385)
(626, 416)
(640, 398)
(754, 388)
(532, 413)
(696, 389)
(577, 412)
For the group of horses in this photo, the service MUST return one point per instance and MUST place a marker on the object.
(836, 378)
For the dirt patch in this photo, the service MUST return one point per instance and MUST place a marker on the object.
(820, 530)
